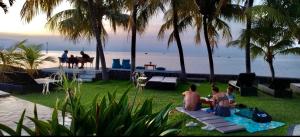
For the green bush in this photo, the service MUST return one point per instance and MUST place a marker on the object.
(105, 116)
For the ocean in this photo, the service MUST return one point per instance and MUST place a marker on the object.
(229, 62)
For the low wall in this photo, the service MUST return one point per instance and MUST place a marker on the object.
(124, 74)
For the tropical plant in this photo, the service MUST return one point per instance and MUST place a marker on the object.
(4, 6)
(31, 57)
(140, 13)
(105, 117)
(9, 56)
(213, 12)
(177, 19)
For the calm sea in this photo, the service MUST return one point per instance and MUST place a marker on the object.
(225, 63)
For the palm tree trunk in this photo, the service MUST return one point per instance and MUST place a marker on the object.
(179, 45)
(97, 31)
(209, 51)
(247, 49)
(271, 69)
(133, 39)
(97, 59)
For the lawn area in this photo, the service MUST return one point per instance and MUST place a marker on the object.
(283, 110)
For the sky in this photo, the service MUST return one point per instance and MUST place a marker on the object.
(13, 29)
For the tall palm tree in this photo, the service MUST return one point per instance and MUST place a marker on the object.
(212, 12)
(248, 4)
(4, 6)
(81, 21)
(140, 13)
(275, 22)
(177, 18)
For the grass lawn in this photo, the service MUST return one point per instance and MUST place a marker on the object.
(283, 110)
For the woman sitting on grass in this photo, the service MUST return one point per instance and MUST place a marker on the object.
(221, 103)
(231, 96)
(191, 100)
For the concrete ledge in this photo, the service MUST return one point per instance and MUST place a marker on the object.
(266, 89)
(295, 87)
(4, 94)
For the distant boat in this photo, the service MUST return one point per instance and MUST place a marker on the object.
(146, 53)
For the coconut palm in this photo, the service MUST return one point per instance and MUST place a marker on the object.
(248, 4)
(140, 13)
(81, 21)
(212, 12)
(4, 6)
(177, 18)
(31, 57)
(273, 33)
(269, 39)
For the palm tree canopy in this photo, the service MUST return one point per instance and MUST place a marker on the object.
(144, 10)
(74, 23)
(186, 12)
(4, 6)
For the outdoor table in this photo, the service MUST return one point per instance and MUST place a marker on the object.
(150, 65)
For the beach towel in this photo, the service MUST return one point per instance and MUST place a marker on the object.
(250, 125)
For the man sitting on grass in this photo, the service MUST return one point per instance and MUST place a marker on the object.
(191, 100)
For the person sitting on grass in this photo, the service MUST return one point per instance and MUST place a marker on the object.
(220, 102)
(191, 100)
(231, 96)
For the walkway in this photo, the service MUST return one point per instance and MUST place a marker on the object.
(12, 108)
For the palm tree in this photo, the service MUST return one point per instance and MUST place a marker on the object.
(273, 32)
(211, 12)
(177, 18)
(4, 6)
(81, 21)
(269, 39)
(140, 13)
(31, 57)
(248, 4)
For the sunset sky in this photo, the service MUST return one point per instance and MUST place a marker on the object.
(12, 27)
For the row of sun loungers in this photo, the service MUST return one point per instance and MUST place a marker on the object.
(160, 82)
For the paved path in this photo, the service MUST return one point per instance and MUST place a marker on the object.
(294, 130)
(3, 94)
(12, 107)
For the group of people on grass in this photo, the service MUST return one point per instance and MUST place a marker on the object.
(74, 60)
(220, 102)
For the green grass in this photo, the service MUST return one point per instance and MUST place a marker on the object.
(283, 110)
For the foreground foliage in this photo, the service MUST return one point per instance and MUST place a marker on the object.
(106, 116)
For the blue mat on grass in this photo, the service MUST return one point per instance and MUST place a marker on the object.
(250, 125)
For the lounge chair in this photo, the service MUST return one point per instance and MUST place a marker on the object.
(116, 64)
(246, 84)
(160, 82)
(126, 64)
